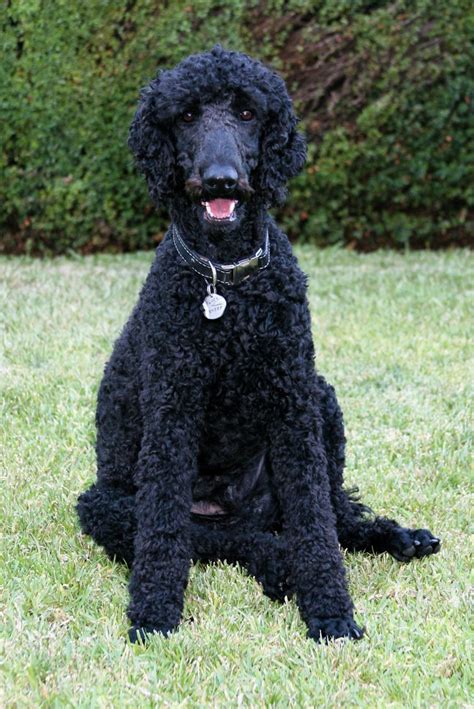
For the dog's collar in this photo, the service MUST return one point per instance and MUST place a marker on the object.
(228, 273)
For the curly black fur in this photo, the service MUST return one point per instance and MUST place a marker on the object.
(218, 439)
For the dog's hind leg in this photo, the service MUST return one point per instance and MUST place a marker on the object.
(108, 516)
(357, 528)
(106, 510)
(262, 554)
(119, 420)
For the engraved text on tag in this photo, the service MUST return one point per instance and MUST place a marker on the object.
(213, 306)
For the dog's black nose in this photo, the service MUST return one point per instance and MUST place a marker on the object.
(218, 179)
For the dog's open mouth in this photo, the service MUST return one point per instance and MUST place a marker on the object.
(220, 210)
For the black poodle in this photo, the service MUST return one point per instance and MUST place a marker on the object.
(216, 438)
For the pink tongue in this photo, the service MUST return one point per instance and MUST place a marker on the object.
(221, 208)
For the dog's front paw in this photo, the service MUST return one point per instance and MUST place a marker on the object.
(326, 629)
(408, 544)
(141, 633)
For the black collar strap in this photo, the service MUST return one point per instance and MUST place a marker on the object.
(228, 273)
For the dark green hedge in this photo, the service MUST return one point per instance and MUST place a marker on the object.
(384, 89)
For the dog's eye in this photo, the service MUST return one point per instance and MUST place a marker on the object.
(246, 115)
(188, 116)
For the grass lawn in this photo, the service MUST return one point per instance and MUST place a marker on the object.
(392, 333)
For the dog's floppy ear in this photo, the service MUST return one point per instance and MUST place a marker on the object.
(283, 149)
(152, 145)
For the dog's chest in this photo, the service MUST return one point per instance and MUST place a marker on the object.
(242, 393)
(245, 348)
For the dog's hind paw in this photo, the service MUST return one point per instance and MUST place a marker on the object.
(408, 544)
(325, 629)
(141, 633)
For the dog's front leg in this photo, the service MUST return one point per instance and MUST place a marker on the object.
(298, 466)
(166, 467)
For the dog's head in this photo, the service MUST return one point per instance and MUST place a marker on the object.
(220, 130)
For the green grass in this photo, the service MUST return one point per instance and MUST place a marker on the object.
(392, 333)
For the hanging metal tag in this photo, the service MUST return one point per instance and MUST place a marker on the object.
(213, 305)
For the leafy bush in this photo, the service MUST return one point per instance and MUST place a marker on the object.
(384, 89)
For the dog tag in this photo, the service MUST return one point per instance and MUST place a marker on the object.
(213, 304)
